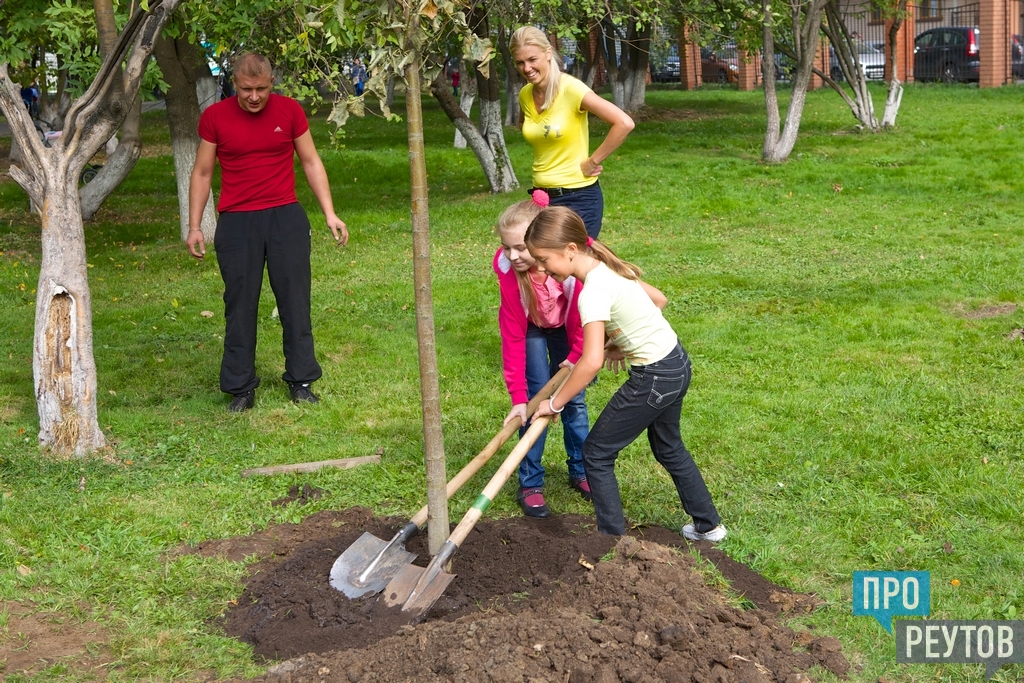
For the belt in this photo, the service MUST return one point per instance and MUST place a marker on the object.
(561, 191)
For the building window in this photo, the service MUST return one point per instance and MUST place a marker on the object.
(929, 10)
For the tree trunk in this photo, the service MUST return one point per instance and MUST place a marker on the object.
(177, 59)
(609, 42)
(634, 65)
(806, 30)
(513, 81)
(846, 50)
(466, 98)
(430, 394)
(129, 149)
(63, 365)
(474, 138)
(117, 166)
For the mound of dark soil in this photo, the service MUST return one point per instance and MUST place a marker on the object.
(533, 601)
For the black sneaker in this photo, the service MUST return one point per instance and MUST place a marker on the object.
(301, 393)
(242, 402)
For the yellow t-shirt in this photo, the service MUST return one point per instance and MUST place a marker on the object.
(560, 135)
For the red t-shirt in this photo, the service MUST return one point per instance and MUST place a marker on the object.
(256, 151)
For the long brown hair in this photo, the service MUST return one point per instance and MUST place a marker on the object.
(522, 213)
(557, 226)
(531, 35)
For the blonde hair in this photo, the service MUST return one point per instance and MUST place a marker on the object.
(533, 36)
(252, 65)
(558, 226)
(522, 213)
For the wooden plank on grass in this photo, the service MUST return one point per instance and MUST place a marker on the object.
(342, 464)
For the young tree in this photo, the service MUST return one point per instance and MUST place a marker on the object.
(846, 47)
(805, 22)
(63, 365)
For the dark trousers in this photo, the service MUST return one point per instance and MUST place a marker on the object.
(588, 202)
(651, 399)
(245, 241)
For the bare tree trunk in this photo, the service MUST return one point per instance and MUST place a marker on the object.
(845, 47)
(129, 148)
(474, 137)
(63, 363)
(636, 51)
(609, 41)
(466, 98)
(117, 166)
(806, 18)
(433, 440)
(513, 81)
(178, 60)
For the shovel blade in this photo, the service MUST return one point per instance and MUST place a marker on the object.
(368, 565)
(416, 589)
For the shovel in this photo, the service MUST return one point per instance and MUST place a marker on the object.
(416, 588)
(370, 563)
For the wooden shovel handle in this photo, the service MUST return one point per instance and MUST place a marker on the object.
(474, 465)
(511, 464)
(472, 516)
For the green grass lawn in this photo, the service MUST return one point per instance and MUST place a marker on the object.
(856, 402)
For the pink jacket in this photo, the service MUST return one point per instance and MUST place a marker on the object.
(512, 322)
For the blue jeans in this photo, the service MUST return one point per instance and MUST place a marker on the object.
(651, 399)
(545, 349)
(588, 202)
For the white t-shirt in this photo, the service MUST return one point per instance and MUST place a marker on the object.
(631, 319)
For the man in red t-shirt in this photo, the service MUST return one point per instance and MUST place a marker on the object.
(255, 136)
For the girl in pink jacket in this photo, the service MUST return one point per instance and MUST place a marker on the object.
(540, 332)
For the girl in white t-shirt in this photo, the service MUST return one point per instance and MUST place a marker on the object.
(622, 323)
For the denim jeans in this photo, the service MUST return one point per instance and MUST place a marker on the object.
(651, 399)
(588, 202)
(545, 349)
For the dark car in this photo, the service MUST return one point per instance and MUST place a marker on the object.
(949, 53)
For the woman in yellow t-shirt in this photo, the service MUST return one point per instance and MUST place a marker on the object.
(554, 120)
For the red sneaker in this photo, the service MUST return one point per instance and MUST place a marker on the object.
(582, 486)
(532, 503)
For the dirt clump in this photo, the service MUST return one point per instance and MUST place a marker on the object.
(524, 607)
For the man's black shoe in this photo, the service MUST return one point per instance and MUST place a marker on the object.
(301, 393)
(242, 402)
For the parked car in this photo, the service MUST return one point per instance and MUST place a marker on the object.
(871, 59)
(948, 53)
(1017, 56)
(719, 66)
(667, 72)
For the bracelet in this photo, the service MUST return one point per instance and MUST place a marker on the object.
(552, 405)
(195, 229)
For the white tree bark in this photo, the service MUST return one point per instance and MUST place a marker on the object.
(466, 105)
(806, 18)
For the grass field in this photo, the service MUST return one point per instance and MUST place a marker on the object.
(856, 402)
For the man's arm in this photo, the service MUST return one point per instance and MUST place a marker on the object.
(316, 174)
(198, 194)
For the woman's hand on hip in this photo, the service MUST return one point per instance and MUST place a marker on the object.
(590, 169)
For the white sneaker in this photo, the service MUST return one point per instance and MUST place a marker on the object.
(715, 535)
